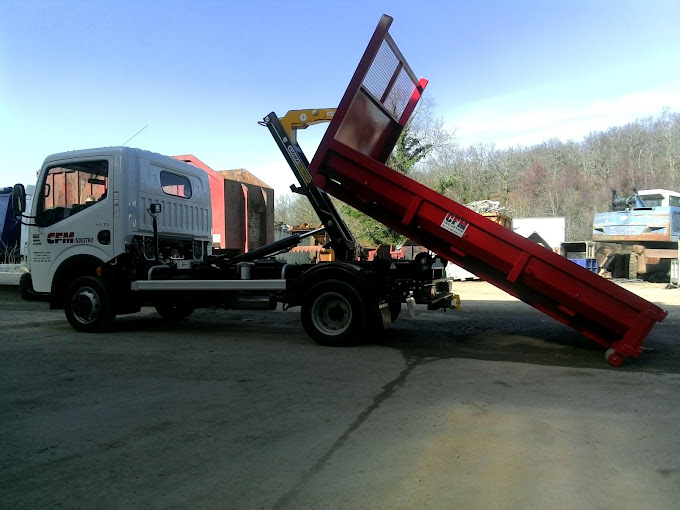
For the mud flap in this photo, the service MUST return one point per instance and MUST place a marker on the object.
(411, 306)
(384, 309)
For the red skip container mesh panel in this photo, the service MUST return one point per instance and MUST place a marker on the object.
(349, 165)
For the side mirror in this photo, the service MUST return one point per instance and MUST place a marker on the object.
(18, 199)
(155, 208)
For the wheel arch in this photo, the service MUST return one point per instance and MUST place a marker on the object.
(343, 271)
(70, 269)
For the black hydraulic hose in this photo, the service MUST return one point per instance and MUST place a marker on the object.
(282, 244)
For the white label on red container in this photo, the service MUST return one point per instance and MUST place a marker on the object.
(454, 225)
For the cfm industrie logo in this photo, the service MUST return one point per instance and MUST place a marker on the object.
(60, 237)
(455, 225)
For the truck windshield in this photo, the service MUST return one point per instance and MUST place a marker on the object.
(652, 201)
(70, 188)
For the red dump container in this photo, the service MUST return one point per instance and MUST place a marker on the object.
(349, 164)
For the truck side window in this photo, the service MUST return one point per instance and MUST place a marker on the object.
(70, 188)
(175, 185)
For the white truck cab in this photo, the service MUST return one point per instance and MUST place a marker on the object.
(92, 206)
(660, 198)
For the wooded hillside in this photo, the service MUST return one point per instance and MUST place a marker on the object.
(554, 178)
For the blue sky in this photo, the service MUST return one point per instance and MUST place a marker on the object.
(82, 74)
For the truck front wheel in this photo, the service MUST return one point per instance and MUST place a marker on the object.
(334, 314)
(88, 305)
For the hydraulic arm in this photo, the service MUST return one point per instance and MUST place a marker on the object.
(302, 119)
(283, 130)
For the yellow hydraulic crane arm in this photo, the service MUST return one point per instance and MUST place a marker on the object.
(302, 119)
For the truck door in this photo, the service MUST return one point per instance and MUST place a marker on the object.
(73, 216)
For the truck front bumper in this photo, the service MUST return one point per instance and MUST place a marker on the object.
(28, 293)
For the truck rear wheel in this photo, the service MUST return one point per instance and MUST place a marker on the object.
(334, 314)
(88, 306)
(174, 312)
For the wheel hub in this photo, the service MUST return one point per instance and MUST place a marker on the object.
(86, 305)
(332, 314)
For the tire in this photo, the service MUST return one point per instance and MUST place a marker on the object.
(174, 312)
(334, 314)
(88, 305)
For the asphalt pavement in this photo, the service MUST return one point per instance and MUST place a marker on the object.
(493, 406)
